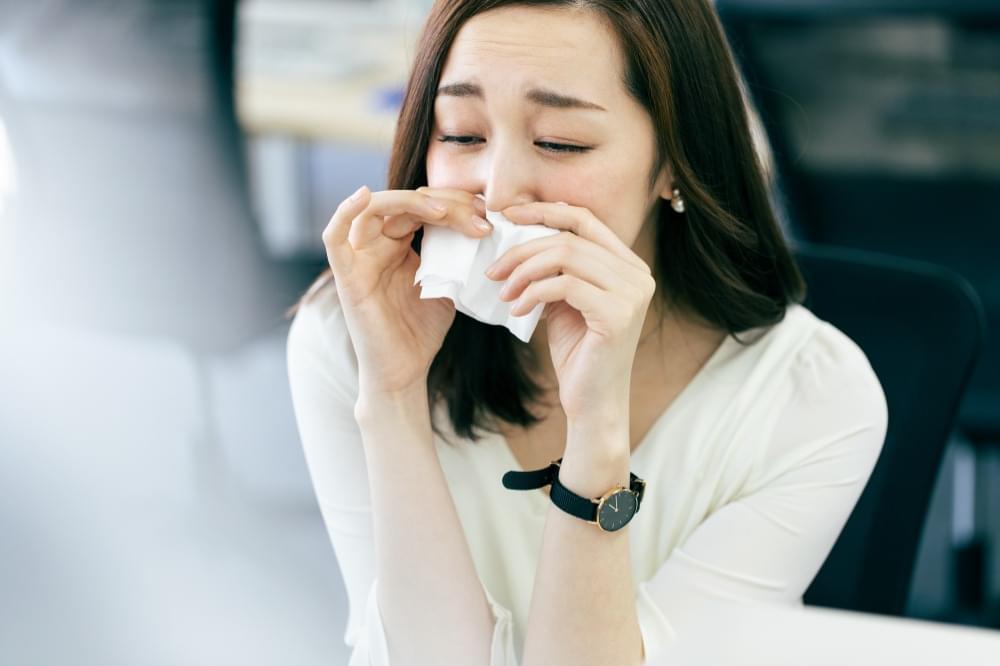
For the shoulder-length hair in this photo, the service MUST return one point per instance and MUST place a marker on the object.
(724, 260)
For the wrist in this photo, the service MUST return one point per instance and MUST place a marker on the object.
(599, 439)
(594, 467)
(376, 403)
(609, 418)
(609, 408)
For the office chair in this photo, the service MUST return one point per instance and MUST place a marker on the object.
(883, 141)
(920, 326)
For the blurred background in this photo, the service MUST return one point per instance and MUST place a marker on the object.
(166, 169)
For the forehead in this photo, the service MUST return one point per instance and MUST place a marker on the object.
(516, 47)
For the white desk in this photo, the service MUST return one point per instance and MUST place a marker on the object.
(770, 635)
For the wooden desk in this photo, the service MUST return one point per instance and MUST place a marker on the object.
(318, 88)
(315, 110)
(321, 70)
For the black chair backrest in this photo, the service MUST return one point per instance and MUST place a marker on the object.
(884, 139)
(921, 327)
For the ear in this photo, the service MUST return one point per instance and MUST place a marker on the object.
(665, 183)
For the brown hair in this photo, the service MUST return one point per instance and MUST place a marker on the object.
(724, 260)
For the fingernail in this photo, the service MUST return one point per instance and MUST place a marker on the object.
(358, 193)
(482, 224)
(436, 204)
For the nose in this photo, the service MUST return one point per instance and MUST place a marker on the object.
(513, 197)
(508, 179)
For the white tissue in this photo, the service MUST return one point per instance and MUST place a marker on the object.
(452, 265)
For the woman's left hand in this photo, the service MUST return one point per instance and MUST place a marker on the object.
(597, 292)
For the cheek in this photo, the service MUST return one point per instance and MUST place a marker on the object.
(447, 169)
(613, 197)
(440, 169)
(623, 199)
(585, 187)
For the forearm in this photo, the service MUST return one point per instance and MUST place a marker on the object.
(582, 606)
(433, 607)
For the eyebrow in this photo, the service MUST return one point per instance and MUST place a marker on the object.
(540, 96)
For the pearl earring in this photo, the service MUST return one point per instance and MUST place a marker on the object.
(676, 202)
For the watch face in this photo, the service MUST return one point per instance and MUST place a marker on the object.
(616, 511)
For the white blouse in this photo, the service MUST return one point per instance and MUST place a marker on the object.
(751, 473)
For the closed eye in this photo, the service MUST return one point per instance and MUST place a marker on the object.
(546, 145)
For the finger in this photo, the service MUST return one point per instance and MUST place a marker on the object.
(460, 217)
(475, 205)
(414, 206)
(367, 226)
(400, 226)
(577, 219)
(588, 299)
(562, 259)
(461, 196)
(337, 229)
(589, 250)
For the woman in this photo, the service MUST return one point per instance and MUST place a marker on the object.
(754, 449)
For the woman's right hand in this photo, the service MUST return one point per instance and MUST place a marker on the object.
(395, 333)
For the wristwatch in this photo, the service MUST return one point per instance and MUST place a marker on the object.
(610, 512)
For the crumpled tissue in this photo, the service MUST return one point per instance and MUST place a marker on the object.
(452, 265)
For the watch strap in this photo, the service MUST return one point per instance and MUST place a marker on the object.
(529, 480)
(570, 502)
(563, 497)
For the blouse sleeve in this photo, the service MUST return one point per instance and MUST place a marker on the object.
(323, 400)
(768, 544)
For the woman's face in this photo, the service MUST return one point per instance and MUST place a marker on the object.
(505, 93)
